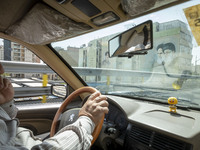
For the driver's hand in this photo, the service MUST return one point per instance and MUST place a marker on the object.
(6, 88)
(95, 107)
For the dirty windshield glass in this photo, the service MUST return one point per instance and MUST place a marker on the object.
(171, 68)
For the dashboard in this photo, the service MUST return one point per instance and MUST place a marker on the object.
(141, 125)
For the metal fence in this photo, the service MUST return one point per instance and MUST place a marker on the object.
(36, 68)
(21, 67)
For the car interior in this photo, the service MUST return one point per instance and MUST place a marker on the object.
(133, 122)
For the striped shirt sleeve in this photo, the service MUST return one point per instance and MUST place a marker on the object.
(76, 136)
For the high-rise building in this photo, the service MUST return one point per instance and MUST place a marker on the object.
(177, 33)
(11, 51)
(21, 53)
(1, 52)
(71, 54)
(7, 50)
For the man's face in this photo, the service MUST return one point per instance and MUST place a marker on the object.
(165, 56)
(6, 88)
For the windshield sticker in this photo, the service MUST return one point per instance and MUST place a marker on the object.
(193, 16)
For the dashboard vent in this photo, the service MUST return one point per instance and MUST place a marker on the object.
(164, 142)
(140, 135)
(148, 139)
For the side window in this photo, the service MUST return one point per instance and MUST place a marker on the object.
(31, 78)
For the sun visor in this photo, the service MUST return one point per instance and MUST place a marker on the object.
(134, 7)
(43, 25)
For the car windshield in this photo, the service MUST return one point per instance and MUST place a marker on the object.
(170, 69)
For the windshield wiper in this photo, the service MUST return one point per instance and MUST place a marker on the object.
(158, 97)
(142, 95)
(145, 87)
(136, 96)
(186, 101)
(189, 104)
(183, 107)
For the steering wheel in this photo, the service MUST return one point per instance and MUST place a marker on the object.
(77, 92)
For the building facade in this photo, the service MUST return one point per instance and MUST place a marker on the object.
(95, 54)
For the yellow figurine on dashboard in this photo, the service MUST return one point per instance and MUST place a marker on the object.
(172, 101)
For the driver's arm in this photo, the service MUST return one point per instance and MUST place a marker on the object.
(74, 136)
(78, 135)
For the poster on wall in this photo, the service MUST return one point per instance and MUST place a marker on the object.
(193, 16)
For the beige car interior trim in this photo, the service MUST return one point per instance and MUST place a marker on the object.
(71, 11)
(33, 124)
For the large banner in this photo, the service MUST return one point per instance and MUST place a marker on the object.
(193, 16)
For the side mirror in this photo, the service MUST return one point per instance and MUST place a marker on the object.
(59, 90)
(135, 41)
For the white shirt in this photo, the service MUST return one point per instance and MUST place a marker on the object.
(76, 136)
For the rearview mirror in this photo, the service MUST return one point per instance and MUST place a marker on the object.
(135, 41)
